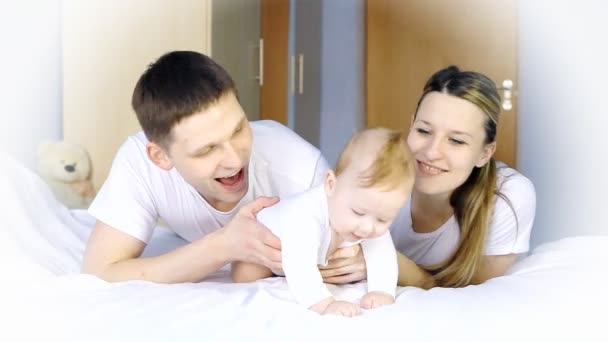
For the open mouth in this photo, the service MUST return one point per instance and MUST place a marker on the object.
(233, 181)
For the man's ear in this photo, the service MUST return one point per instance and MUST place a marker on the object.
(488, 152)
(158, 156)
(330, 182)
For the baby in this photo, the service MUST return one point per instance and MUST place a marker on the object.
(358, 201)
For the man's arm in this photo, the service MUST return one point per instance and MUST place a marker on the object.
(115, 256)
(244, 272)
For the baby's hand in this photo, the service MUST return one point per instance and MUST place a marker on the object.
(342, 308)
(376, 299)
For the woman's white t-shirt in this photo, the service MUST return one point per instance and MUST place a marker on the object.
(137, 193)
(509, 230)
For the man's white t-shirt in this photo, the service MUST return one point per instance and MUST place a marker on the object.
(302, 224)
(137, 193)
(509, 230)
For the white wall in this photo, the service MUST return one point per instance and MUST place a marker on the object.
(107, 45)
(563, 73)
(30, 82)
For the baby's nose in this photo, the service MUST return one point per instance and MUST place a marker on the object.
(366, 228)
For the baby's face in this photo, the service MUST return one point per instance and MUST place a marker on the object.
(358, 213)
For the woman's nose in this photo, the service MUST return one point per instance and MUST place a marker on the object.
(433, 149)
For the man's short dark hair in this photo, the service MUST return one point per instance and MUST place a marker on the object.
(178, 85)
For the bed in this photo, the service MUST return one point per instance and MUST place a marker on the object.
(558, 292)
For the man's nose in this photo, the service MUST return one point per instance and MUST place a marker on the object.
(231, 159)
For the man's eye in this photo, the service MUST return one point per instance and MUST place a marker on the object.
(239, 130)
(205, 151)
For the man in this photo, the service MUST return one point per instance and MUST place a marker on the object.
(202, 168)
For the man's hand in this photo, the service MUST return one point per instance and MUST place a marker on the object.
(376, 299)
(346, 265)
(250, 241)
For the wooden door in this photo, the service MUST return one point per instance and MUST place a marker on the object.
(407, 41)
(274, 27)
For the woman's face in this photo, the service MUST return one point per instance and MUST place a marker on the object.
(447, 139)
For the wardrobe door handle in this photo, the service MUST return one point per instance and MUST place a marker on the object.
(293, 74)
(301, 74)
(507, 94)
(261, 62)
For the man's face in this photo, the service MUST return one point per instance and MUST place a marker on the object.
(211, 150)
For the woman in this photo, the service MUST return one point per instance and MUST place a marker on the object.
(468, 217)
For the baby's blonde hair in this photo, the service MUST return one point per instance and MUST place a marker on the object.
(392, 165)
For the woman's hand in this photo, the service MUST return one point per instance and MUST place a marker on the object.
(345, 265)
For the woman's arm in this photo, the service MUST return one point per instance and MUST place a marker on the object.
(493, 266)
(411, 274)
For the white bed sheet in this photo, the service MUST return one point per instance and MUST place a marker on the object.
(556, 293)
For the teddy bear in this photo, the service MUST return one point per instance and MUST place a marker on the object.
(67, 169)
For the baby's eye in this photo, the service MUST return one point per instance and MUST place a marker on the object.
(357, 212)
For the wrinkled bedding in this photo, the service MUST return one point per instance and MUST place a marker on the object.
(558, 292)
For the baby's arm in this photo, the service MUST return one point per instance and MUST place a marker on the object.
(382, 271)
(244, 272)
(300, 253)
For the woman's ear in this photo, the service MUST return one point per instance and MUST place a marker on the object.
(330, 182)
(488, 152)
(158, 156)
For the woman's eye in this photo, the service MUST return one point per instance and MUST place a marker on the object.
(457, 141)
(423, 131)
(357, 213)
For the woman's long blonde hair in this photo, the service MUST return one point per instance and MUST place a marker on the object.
(473, 201)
